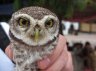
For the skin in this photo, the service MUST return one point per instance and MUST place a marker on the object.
(60, 60)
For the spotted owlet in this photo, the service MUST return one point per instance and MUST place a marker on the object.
(34, 34)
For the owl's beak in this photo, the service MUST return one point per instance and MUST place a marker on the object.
(37, 32)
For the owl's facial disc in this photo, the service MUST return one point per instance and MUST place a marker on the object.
(33, 31)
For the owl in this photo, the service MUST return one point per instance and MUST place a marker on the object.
(34, 34)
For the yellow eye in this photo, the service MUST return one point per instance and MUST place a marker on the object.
(49, 23)
(23, 22)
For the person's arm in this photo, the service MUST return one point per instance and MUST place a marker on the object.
(5, 63)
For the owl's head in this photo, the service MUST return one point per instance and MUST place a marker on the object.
(34, 26)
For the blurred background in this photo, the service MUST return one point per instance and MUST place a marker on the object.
(77, 24)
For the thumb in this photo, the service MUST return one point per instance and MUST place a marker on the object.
(9, 52)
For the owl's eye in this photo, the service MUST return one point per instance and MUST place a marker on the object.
(23, 22)
(49, 23)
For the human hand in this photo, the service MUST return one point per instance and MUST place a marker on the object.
(60, 60)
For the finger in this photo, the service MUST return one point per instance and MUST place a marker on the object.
(59, 49)
(48, 61)
(69, 64)
(59, 63)
(8, 52)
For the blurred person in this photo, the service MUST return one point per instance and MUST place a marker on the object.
(77, 57)
(92, 57)
(78, 49)
(69, 47)
(71, 29)
(87, 50)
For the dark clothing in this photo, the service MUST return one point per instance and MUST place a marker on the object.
(4, 40)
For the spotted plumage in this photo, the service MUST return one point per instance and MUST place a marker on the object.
(34, 34)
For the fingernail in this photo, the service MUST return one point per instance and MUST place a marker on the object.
(44, 63)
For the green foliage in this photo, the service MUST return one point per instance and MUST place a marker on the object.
(17, 4)
(66, 8)
(63, 8)
(69, 12)
(94, 6)
(36, 2)
(81, 4)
